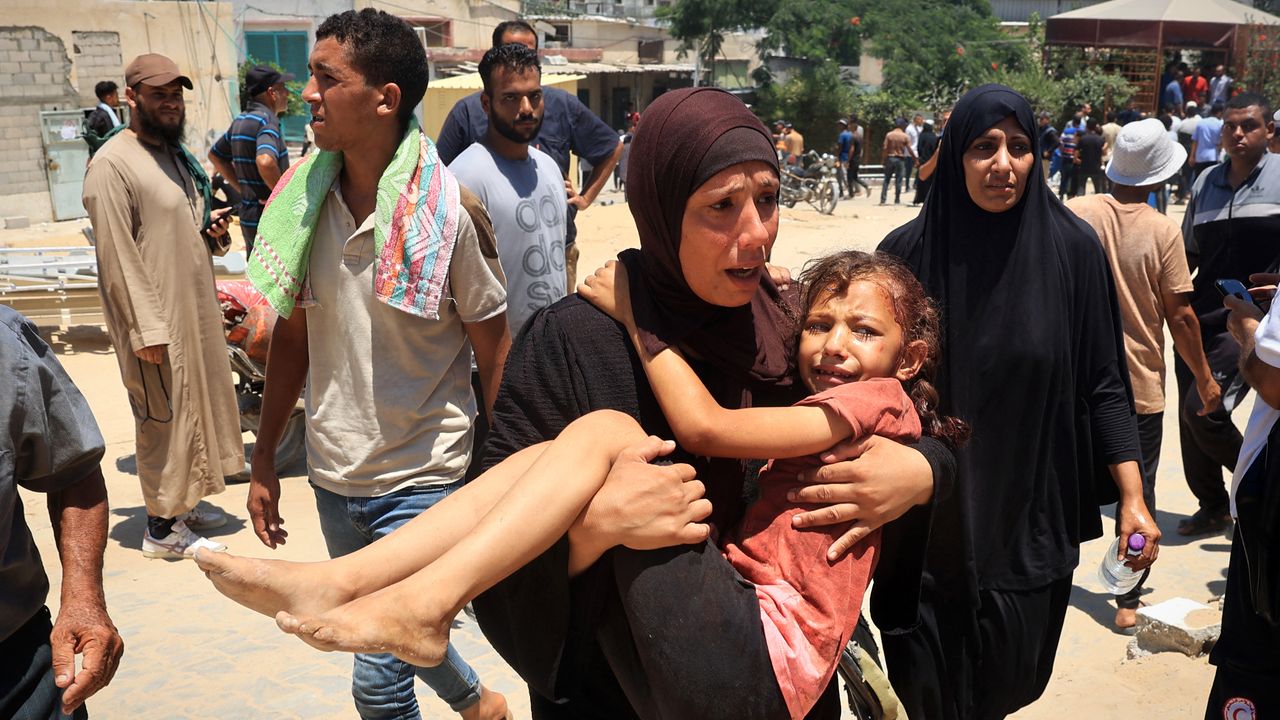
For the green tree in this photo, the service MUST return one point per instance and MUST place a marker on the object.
(812, 100)
(700, 25)
(946, 47)
(816, 30)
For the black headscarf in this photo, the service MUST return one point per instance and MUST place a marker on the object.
(684, 138)
(1032, 360)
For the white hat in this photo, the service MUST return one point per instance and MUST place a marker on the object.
(1191, 105)
(1144, 154)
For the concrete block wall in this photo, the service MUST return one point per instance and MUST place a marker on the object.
(35, 75)
(97, 58)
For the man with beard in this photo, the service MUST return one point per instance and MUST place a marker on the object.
(519, 184)
(148, 199)
(568, 125)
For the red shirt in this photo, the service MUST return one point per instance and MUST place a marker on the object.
(1192, 86)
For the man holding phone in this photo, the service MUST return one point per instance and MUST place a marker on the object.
(1230, 231)
(148, 199)
(252, 155)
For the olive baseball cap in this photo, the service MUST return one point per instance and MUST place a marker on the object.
(155, 70)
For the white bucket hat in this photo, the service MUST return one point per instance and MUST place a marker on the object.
(1145, 154)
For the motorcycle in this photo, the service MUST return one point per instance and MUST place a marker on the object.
(249, 321)
(814, 181)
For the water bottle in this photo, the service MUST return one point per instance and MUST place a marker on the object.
(1114, 575)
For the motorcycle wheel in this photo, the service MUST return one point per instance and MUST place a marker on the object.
(828, 196)
(292, 448)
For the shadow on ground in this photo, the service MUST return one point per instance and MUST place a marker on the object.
(78, 339)
(128, 464)
(128, 532)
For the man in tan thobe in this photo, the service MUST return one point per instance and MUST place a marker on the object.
(143, 194)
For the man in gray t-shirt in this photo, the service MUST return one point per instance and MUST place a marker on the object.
(49, 443)
(520, 185)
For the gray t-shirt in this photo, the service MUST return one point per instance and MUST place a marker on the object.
(526, 203)
(50, 442)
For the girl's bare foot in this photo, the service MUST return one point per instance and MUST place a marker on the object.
(396, 620)
(270, 586)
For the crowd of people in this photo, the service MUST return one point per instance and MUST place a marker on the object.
(707, 460)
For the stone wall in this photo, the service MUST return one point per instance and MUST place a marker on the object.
(97, 58)
(34, 76)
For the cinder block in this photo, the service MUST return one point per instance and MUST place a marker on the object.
(8, 43)
(1177, 625)
(28, 43)
(30, 66)
(41, 55)
(26, 77)
(9, 68)
(17, 222)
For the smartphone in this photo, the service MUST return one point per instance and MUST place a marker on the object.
(1228, 286)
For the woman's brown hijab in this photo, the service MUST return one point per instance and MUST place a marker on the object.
(684, 138)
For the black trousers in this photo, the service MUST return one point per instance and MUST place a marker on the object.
(1150, 435)
(1211, 442)
(1083, 177)
(697, 653)
(1247, 653)
(1067, 181)
(27, 690)
(983, 664)
(852, 180)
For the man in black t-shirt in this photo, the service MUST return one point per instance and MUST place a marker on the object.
(1089, 152)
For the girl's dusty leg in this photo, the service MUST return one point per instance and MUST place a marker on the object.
(411, 618)
(270, 586)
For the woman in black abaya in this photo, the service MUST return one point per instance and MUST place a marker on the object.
(1032, 360)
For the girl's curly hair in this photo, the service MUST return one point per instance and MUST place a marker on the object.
(912, 309)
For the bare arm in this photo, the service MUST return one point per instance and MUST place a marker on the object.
(1133, 515)
(491, 341)
(1185, 329)
(699, 423)
(268, 169)
(224, 168)
(287, 365)
(1243, 324)
(599, 174)
(79, 518)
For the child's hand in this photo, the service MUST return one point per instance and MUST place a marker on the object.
(608, 290)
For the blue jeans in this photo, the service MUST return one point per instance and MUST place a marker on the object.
(381, 684)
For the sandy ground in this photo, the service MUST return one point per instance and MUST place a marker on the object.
(190, 653)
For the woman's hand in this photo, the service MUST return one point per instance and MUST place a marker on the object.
(866, 483)
(608, 290)
(1134, 518)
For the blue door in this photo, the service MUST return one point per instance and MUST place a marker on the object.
(288, 49)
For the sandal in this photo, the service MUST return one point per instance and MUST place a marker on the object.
(1203, 523)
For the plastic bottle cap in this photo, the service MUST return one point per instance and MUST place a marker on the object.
(1137, 542)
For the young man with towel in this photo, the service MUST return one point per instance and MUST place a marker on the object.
(369, 252)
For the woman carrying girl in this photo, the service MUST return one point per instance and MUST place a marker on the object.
(866, 348)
